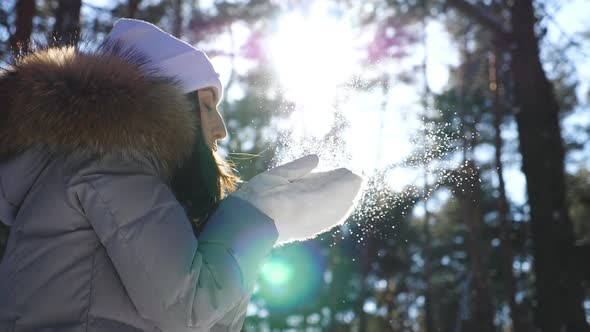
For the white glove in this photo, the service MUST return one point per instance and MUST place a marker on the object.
(301, 204)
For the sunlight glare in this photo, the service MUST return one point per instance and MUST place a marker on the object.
(313, 54)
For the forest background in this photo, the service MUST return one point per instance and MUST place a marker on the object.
(469, 119)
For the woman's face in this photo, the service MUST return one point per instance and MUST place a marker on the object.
(212, 123)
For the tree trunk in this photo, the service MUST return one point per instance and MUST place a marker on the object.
(427, 272)
(507, 256)
(428, 313)
(132, 7)
(366, 258)
(557, 281)
(469, 196)
(483, 312)
(25, 12)
(177, 24)
(66, 30)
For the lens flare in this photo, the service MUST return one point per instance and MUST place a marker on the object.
(293, 276)
(277, 272)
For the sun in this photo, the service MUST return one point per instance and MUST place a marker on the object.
(319, 58)
(313, 53)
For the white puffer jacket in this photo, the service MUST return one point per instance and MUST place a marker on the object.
(98, 241)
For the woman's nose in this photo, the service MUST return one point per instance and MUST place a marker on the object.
(219, 131)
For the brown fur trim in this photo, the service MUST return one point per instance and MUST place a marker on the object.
(100, 102)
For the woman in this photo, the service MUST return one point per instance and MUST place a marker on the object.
(96, 149)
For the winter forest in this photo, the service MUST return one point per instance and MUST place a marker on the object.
(469, 120)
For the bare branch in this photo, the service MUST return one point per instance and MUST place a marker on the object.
(482, 17)
(95, 7)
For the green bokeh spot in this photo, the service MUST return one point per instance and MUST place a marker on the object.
(276, 272)
(292, 277)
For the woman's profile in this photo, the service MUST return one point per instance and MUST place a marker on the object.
(107, 160)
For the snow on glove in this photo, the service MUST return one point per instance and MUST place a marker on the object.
(302, 204)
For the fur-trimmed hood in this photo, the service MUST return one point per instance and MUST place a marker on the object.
(97, 102)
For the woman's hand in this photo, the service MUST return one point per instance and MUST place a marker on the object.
(302, 204)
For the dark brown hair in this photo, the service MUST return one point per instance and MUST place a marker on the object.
(204, 179)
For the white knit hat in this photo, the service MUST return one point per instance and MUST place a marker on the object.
(170, 55)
